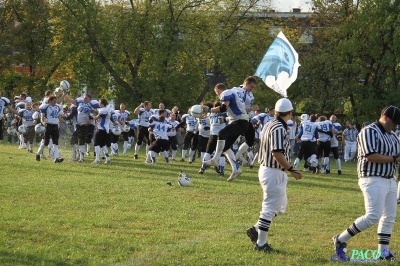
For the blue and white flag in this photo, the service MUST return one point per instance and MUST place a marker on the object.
(279, 66)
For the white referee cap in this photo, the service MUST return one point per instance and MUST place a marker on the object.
(283, 105)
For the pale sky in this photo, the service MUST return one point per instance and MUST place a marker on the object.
(288, 5)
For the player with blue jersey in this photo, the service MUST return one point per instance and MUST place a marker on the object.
(102, 140)
(116, 118)
(217, 122)
(144, 112)
(189, 139)
(27, 121)
(336, 129)
(308, 134)
(248, 87)
(84, 105)
(173, 141)
(232, 103)
(51, 116)
(159, 130)
(125, 120)
(4, 104)
(324, 137)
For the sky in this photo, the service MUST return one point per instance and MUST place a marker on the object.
(288, 5)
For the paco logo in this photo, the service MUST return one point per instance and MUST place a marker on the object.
(368, 255)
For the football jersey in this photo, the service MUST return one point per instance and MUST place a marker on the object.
(4, 102)
(174, 124)
(116, 115)
(133, 123)
(26, 114)
(190, 122)
(217, 122)
(308, 131)
(248, 98)
(124, 115)
(83, 111)
(51, 113)
(160, 129)
(334, 139)
(204, 127)
(104, 120)
(236, 106)
(324, 126)
(144, 116)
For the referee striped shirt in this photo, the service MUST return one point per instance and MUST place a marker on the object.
(374, 139)
(274, 138)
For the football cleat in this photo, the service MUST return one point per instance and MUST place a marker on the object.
(96, 162)
(252, 234)
(216, 168)
(58, 160)
(38, 157)
(136, 157)
(107, 161)
(339, 172)
(234, 175)
(201, 171)
(266, 248)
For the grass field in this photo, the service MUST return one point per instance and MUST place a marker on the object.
(125, 214)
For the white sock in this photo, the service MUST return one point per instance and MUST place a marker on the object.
(105, 151)
(41, 148)
(153, 156)
(219, 149)
(174, 154)
(55, 151)
(191, 155)
(184, 154)
(262, 238)
(339, 164)
(125, 146)
(241, 150)
(231, 158)
(81, 152)
(137, 147)
(97, 150)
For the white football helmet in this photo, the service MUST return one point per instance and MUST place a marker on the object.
(65, 85)
(11, 131)
(116, 130)
(39, 128)
(183, 179)
(126, 128)
(304, 117)
(22, 129)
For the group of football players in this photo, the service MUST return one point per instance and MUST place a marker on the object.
(95, 123)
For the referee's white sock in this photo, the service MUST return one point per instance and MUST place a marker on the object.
(351, 231)
(383, 246)
(263, 227)
(241, 150)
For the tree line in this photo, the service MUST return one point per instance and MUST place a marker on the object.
(174, 51)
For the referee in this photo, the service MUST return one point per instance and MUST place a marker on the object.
(378, 153)
(274, 160)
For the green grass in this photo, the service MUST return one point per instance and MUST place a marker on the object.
(125, 214)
